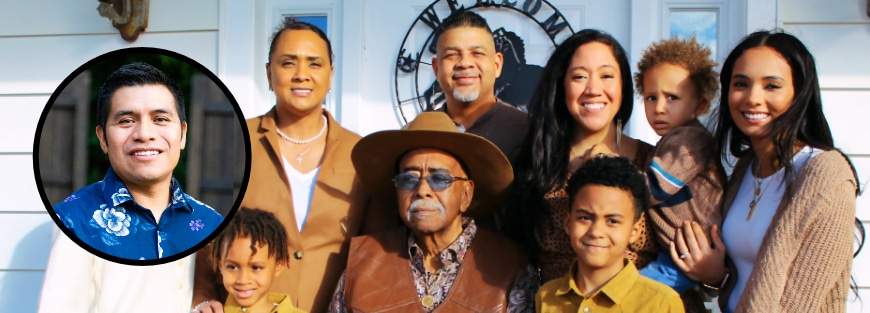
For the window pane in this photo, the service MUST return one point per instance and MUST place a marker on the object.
(701, 23)
(316, 20)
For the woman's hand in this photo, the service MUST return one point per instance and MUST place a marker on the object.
(696, 257)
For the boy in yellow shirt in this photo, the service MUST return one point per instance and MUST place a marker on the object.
(607, 196)
(249, 253)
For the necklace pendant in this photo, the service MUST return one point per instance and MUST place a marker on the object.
(299, 159)
(428, 301)
(751, 209)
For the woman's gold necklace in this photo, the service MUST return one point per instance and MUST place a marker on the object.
(572, 154)
(758, 192)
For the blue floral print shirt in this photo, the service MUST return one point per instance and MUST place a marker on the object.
(105, 216)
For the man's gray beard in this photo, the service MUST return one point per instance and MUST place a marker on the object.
(422, 202)
(468, 96)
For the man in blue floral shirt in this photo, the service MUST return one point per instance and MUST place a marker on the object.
(138, 211)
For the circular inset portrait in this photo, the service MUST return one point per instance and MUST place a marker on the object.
(141, 156)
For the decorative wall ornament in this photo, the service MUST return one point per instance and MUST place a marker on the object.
(130, 17)
(415, 85)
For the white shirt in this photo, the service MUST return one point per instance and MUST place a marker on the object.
(743, 238)
(77, 281)
(302, 189)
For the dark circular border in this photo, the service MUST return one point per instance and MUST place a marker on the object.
(142, 50)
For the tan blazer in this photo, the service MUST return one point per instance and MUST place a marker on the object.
(339, 211)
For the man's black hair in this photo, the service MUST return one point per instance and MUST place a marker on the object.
(130, 75)
(464, 18)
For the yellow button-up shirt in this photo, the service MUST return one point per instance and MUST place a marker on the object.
(282, 302)
(628, 291)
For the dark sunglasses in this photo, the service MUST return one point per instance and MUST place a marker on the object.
(437, 181)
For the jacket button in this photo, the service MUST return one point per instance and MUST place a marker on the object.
(298, 254)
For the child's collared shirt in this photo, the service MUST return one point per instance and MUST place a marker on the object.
(282, 302)
(628, 291)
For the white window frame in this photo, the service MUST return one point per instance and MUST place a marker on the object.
(651, 22)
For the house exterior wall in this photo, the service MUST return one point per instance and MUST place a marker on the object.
(41, 42)
(838, 35)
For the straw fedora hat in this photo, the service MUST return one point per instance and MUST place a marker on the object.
(376, 159)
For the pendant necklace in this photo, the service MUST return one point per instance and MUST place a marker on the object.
(758, 192)
(299, 156)
(428, 300)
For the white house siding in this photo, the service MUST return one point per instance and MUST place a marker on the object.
(838, 35)
(41, 42)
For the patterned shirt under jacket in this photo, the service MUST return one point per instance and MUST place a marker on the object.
(104, 216)
(437, 285)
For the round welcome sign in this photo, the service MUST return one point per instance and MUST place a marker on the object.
(415, 85)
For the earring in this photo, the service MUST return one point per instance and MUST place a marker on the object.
(618, 133)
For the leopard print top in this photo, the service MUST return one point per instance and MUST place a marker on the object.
(556, 251)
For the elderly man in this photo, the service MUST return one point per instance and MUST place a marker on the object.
(466, 67)
(440, 261)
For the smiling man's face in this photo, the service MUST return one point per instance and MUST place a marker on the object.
(467, 64)
(144, 135)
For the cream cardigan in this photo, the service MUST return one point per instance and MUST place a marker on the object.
(805, 260)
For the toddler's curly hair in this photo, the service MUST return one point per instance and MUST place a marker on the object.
(687, 53)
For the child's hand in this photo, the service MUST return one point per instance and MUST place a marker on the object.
(693, 253)
(212, 306)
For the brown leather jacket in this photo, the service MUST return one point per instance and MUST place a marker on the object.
(379, 277)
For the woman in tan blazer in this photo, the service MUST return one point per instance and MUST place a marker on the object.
(301, 171)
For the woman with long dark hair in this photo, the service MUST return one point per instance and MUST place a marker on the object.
(584, 97)
(789, 205)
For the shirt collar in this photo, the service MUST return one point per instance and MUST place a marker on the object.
(695, 122)
(497, 107)
(115, 193)
(277, 300)
(615, 289)
(455, 252)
